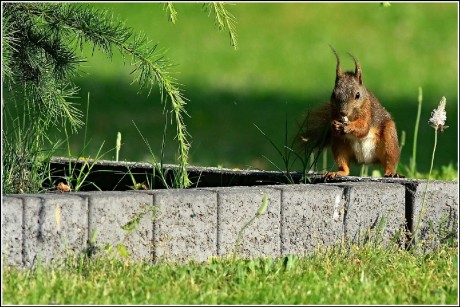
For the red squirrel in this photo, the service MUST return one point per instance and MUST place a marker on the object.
(355, 126)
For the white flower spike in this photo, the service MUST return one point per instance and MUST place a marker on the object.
(438, 116)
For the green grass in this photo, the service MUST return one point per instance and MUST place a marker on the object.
(357, 275)
(283, 66)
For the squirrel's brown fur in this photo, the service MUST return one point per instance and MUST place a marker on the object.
(354, 124)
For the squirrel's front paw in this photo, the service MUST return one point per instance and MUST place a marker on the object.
(342, 127)
(337, 126)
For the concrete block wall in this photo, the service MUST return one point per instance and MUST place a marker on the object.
(311, 216)
(108, 212)
(180, 225)
(12, 230)
(439, 220)
(52, 226)
(374, 209)
(185, 225)
(236, 207)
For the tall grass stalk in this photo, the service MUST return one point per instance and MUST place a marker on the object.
(402, 142)
(76, 179)
(422, 210)
(307, 157)
(437, 121)
(284, 154)
(413, 164)
(86, 123)
(25, 156)
(324, 160)
(157, 167)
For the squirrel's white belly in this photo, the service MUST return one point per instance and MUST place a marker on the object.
(364, 148)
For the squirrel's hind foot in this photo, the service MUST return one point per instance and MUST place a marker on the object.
(395, 175)
(331, 175)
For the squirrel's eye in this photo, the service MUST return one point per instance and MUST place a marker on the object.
(357, 95)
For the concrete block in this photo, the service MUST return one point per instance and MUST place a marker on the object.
(439, 221)
(311, 217)
(112, 213)
(374, 211)
(12, 223)
(237, 206)
(55, 225)
(185, 225)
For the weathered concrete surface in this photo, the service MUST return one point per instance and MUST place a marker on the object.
(237, 206)
(185, 224)
(110, 212)
(374, 210)
(55, 225)
(199, 223)
(439, 218)
(311, 217)
(12, 224)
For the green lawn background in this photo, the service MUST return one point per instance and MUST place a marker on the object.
(283, 66)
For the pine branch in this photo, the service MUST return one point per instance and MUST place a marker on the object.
(151, 68)
(54, 52)
(224, 20)
(172, 14)
(39, 59)
(41, 63)
(39, 41)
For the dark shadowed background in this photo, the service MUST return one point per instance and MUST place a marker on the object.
(283, 66)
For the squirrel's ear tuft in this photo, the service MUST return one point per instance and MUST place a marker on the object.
(338, 70)
(358, 72)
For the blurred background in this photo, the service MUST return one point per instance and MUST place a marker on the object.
(283, 67)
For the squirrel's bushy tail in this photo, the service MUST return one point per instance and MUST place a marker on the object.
(315, 133)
